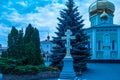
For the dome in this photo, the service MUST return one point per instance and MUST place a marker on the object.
(100, 5)
(48, 37)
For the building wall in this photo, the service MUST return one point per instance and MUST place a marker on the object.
(46, 47)
(2, 49)
(104, 43)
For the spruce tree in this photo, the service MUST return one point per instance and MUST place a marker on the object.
(71, 19)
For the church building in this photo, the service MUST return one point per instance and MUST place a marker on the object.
(104, 35)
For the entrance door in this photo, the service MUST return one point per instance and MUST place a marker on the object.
(106, 54)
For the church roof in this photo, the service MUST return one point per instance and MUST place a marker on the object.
(107, 25)
(100, 5)
(104, 25)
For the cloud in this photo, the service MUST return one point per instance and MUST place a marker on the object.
(117, 11)
(41, 14)
(22, 3)
(4, 29)
(45, 19)
(14, 17)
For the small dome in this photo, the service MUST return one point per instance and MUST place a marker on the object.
(100, 5)
(104, 15)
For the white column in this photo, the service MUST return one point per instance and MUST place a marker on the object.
(118, 43)
(94, 44)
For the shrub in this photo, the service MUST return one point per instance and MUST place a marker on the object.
(11, 66)
(7, 69)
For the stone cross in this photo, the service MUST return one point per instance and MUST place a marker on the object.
(68, 37)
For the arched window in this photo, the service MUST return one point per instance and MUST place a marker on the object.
(106, 40)
(99, 45)
(113, 45)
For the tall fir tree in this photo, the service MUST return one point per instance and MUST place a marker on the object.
(20, 44)
(12, 43)
(71, 19)
(24, 47)
(32, 36)
(30, 52)
(28, 34)
(15, 44)
(36, 41)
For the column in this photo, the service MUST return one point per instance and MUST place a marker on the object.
(94, 44)
(118, 43)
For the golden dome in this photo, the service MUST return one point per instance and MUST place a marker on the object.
(100, 5)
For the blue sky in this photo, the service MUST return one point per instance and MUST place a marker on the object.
(41, 14)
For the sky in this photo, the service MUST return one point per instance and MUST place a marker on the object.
(42, 14)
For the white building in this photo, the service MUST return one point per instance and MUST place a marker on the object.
(2, 49)
(46, 47)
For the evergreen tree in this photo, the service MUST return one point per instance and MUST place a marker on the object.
(25, 47)
(20, 44)
(30, 52)
(36, 41)
(15, 44)
(28, 34)
(71, 19)
(12, 43)
(4, 54)
(32, 35)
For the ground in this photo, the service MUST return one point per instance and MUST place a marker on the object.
(100, 71)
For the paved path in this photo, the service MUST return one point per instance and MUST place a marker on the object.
(99, 71)
(102, 71)
(0, 76)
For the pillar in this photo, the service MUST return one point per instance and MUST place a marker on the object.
(94, 44)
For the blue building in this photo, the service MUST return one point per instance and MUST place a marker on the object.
(104, 34)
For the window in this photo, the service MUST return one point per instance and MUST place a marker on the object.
(47, 46)
(99, 45)
(113, 45)
(106, 40)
